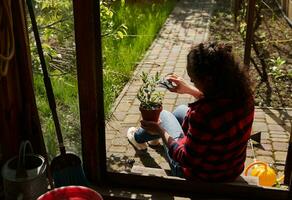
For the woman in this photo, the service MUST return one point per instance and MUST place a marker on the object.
(206, 140)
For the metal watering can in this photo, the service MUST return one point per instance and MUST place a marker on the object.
(267, 175)
(24, 176)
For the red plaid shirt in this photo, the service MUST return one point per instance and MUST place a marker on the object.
(216, 133)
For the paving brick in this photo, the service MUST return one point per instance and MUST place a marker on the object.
(136, 102)
(280, 155)
(123, 107)
(164, 165)
(120, 115)
(280, 146)
(172, 58)
(265, 135)
(273, 120)
(169, 101)
(263, 153)
(132, 118)
(130, 152)
(118, 149)
(129, 97)
(275, 127)
(168, 107)
(259, 114)
(167, 71)
(179, 71)
(267, 141)
(170, 63)
(120, 141)
(259, 120)
(267, 159)
(276, 139)
(169, 95)
(134, 109)
(279, 134)
(267, 147)
(127, 126)
(259, 126)
(108, 142)
(181, 65)
(113, 126)
(109, 136)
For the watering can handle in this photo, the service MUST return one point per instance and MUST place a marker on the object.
(255, 163)
(21, 157)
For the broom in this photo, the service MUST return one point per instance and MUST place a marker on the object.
(66, 167)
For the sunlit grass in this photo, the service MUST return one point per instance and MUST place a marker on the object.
(65, 91)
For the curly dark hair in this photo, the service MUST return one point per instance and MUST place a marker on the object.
(214, 65)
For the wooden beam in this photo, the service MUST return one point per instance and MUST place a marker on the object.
(249, 31)
(90, 87)
(195, 189)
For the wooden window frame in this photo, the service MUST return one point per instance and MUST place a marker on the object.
(90, 88)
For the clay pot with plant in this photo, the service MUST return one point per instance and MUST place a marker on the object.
(150, 99)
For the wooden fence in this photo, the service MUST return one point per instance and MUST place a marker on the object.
(287, 7)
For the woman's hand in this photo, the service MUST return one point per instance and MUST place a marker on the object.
(182, 87)
(152, 128)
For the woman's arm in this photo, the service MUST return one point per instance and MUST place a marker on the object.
(182, 87)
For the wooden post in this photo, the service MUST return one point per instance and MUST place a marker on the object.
(288, 164)
(236, 8)
(90, 87)
(249, 31)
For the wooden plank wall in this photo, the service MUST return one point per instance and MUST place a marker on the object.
(18, 113)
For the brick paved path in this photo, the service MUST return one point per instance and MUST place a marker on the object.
(187, 25)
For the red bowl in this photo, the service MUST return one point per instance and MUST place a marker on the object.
(71, 193)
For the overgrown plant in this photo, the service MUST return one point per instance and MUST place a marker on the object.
(148, 96)
(276, 67)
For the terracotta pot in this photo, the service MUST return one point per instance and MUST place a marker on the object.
(150, 115)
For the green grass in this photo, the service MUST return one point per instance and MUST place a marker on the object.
(143, 23)
(65, 91)
(120, 58)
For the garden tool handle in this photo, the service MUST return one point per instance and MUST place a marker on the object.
(255, 163)
(47, 81)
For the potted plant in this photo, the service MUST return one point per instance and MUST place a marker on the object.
(150, 99)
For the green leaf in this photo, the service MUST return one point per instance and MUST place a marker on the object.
(120, 34)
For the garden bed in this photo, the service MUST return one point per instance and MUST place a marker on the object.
(274, 41)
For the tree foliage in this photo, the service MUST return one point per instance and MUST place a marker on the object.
(56, 25)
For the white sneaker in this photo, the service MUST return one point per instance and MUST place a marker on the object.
(130, 134)
(154, 143)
